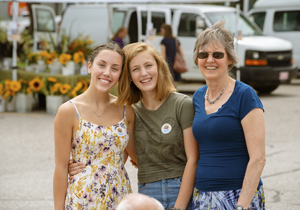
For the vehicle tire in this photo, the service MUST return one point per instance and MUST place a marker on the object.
(266, 89)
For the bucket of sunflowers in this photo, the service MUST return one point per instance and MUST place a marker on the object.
(9, 88)
(24, 96)
(18, 95)
(55, 94)
(71, 52)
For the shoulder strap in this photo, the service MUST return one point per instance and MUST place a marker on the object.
(124, 112)
(78, 115)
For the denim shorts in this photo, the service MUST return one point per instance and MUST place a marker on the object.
(165, 191)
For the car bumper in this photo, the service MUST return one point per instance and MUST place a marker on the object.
(267, 74)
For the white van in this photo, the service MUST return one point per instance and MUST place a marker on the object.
(187, 20)
(280, 19)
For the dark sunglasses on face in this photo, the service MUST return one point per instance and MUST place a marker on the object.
(215, 55)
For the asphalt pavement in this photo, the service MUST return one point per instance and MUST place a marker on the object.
(27, 154)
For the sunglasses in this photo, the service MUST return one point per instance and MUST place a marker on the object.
(216, 55)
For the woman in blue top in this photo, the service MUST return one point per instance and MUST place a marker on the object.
(229, 128)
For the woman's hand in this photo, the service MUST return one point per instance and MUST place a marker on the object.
(74, 168)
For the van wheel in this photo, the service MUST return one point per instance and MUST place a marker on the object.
(265, 89)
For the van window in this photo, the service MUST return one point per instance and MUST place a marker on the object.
(245, 25)
(259, 19)
(187, 25)
(158, 18)
(45, 21)
(118, 20)
(286, 21)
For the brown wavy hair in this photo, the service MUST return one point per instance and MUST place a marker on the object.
(128, 92)
(168, 30)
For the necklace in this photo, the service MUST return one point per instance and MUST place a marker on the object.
(212, 102)
(92, 108)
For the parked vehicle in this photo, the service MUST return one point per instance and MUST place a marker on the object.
(257, 54)
(280, 19)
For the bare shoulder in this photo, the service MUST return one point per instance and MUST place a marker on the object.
(130, 113)
(65, 112)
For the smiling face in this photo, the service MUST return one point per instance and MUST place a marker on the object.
(211, 68)
(105, 70)
(143, 71)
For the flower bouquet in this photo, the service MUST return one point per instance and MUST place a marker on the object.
(56, 93)
(81, 86)
(24, 97)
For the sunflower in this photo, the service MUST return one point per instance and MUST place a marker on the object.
(64, 58)
(73, 94)
(6, 83)
(55, 87)
(1, 89)
(22, 81)
(28, 90)
(49, 61)
(36, 84)
(84, 85)
(15, 86)
(51, 79)
(45, 54)
(79, 57)
(78, 86)
(6, 94)
(65, 88)
(53, 54)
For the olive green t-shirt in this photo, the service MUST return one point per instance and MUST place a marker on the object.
(159, 138)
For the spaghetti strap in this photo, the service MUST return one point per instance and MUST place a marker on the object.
(124, 112)
(78, 115)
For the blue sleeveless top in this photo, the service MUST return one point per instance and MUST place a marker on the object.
(223, 151)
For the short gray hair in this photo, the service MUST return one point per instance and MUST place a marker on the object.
(222, 36)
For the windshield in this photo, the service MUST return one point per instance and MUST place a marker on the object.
(247, 27)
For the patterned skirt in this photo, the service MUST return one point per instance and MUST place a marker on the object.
(225, 200)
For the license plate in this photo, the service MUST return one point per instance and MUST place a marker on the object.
(283, 75)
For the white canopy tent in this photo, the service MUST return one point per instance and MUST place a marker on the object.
(16, 3)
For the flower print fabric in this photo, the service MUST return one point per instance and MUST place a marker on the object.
(104, 181)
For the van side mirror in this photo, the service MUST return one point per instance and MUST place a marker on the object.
(200, 25)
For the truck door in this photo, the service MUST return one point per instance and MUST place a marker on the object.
(43, 24)
(157, 17)
(187, 24)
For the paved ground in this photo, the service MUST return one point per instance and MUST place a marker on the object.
(27, 154)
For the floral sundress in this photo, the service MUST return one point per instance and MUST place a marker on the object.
(104, 181)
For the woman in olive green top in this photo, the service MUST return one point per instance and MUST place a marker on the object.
(167, 152)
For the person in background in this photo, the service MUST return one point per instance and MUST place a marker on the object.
(97, 132)
(137, 201)
(168, 49)
(118, 37)
(229, 128)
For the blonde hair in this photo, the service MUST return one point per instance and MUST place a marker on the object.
(220, 35)
(128, 93)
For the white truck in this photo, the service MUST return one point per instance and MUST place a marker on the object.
(188, 20)
(280, 19)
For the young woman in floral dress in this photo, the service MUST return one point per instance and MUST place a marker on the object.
(97, 132)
